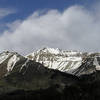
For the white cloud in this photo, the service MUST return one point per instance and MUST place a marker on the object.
(75, 28)
(5, 11)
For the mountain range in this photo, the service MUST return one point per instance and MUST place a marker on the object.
(50, 73)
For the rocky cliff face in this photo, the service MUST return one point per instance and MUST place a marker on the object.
(50, 74)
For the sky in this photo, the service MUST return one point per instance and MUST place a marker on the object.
(27, 25)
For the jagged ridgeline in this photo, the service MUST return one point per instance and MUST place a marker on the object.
(48, 74)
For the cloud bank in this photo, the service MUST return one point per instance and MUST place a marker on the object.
(76, 28)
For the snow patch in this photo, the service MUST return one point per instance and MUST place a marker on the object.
(25, 64)
(3, 57)
(74, 59)
(12, 61)
(96, 64)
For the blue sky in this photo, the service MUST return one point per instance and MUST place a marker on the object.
(26, 25)
(24, 8)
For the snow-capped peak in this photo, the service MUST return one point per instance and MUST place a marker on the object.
(8, 60)
(51, 50)
(57, 51)
(4, 56)
(57, 59)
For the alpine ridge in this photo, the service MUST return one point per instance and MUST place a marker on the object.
(72, 62)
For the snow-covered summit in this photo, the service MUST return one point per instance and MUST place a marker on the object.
(55, 51)
(5, 55)
(50, 50)
(7, 61)
(67, 61)
(57, 59)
